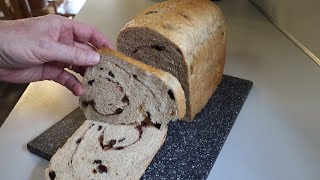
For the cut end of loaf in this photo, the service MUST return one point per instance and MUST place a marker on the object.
(152, 48)
(121, 90)
(182, 38)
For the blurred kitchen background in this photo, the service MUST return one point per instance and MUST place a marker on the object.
(17, 9)
(299, 20)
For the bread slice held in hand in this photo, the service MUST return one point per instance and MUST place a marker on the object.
(99, 150)
(121, 90)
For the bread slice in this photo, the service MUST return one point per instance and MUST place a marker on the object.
(99, 150)
(185, 38)
(121, 90)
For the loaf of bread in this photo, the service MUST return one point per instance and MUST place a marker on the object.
(121, 90)
(99, 150)
(185, 38)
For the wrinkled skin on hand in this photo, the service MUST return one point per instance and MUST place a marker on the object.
(41, 48)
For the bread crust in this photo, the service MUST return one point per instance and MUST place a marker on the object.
(197, 29)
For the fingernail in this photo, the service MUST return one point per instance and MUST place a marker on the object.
(93, 58)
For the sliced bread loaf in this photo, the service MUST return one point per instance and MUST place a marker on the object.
(99, 150)
(121, 90)
(185, 38)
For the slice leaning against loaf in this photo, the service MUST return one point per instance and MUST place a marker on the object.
(121, 90)
(185, 38)
(99, 150)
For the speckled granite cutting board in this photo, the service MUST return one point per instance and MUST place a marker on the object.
(190, 149)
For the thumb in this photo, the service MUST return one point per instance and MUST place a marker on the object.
(55, 51)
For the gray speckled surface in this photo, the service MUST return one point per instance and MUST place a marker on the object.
(190, 149)
(47, 143)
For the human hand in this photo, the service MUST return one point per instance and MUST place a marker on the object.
(41, 48)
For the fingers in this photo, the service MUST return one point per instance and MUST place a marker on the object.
(69, 81)
(95, 40)
(55, 51)
(83, 45)
(86, 34)
(56, 72)
(73, 45)
(81, 69)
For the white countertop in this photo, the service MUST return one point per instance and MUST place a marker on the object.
(276, 136)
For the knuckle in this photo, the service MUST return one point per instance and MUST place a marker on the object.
(44, 44)
(78, 56)
(70, 81)
(51, 16)
(43, 48)
(67, 80)
(54, 16)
